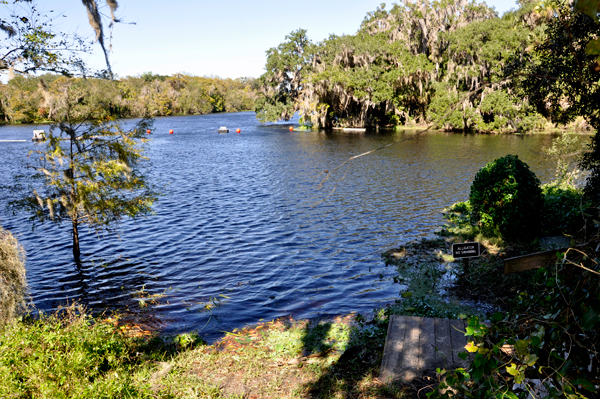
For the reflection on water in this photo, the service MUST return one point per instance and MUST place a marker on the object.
(243, 231)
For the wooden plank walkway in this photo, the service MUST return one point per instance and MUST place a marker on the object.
(415, 346)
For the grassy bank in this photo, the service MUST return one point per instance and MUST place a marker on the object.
(70, 354)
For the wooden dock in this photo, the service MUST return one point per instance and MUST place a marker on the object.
(416, 346)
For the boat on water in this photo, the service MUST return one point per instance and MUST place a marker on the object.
(351, 129)
(38, 135)
(223, 129)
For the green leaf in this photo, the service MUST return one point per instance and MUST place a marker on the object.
(530, 359)
(512, 369)
(516, 372)
(498, 316)
(589, 7)
(593, 47)
(521, 346)
(585, 384)
(591, 319)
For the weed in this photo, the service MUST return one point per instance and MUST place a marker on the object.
(426, 273)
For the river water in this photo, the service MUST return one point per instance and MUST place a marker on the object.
(244, 226)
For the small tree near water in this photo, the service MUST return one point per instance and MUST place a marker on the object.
(89, 170)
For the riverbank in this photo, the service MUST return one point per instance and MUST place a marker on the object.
(72, 354)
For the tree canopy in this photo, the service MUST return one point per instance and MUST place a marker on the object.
(89, 169)
(30, 43)
(281, 84)
(32, 99)
(410, 65)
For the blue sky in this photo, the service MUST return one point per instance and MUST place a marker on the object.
(226, 38)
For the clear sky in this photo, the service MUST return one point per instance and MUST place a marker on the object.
(226, 38)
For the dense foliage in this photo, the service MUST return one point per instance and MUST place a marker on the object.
(563, 210)
(546, 346)
(419, 62)
(506, 197)
(68, 356)
(37, 99)
(282, 83)
(560, 78)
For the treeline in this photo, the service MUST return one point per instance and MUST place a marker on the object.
(28, 99)
(420, 62)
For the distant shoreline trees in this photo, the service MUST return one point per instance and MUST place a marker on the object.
(418, 63)
(33, 99)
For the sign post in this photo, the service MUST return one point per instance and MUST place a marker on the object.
(465, 251)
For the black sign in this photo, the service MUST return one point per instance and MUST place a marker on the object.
(466, 250)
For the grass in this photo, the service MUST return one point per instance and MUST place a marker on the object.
(69, 354)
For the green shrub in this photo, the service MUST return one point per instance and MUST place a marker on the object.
(506, 200)
(562, 209)
(68, 355)
(549, 338)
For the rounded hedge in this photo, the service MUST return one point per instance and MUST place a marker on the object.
(506, 200)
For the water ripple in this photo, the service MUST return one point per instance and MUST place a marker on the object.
(244, 225)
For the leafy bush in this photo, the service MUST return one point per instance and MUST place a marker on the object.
(506, 200)
(546, 346)
(13, 284)
(68, 356)
(460, 118)
(459, 223)
(562, 209)
(567, 171)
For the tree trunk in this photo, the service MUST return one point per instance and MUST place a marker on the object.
(76, 251)
(74, 213)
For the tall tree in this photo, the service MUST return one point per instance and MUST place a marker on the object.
(281, 84)
(561, 77)
(90, 170)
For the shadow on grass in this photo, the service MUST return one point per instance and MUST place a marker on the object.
(355, 373)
